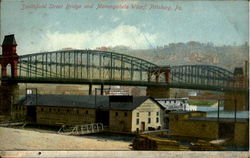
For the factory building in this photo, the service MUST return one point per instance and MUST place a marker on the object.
(117, 113)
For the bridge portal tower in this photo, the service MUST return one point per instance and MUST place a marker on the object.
(9, 91)
(157, 91)
(9, 56)
(239, 100)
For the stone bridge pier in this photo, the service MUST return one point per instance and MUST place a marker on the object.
(158, 92)
(9, 94)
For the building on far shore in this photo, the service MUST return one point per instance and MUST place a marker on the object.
(117, 113)
(176, 104)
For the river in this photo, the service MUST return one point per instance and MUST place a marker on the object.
(213, 110)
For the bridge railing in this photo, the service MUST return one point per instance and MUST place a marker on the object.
(81, 129)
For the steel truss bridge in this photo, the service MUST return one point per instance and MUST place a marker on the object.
(109, 68)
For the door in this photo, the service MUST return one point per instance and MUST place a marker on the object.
(167, 122)
(31, 113)
(142, 126)
(102, 116)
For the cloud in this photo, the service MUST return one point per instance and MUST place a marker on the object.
(125, 35)
(115, 19)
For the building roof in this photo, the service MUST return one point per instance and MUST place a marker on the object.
(9, 40)
(97, 102)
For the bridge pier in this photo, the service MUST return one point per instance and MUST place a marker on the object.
(9, 94)
(158, 92)
(236, 101)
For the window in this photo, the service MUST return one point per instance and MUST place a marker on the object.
(58, 110)
(138, 114)
(137, 121)
(77, 111)
(125, 114)
(87, 112)
(157, 119)
(137, 130)
(67, 110)
(41, 109)
(149, 113)
(116, 113)
(149, 120)
(49, 109)
(157, 113)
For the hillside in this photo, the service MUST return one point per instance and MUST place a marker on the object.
(192, 52)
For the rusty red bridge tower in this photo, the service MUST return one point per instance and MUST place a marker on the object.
(9, 56)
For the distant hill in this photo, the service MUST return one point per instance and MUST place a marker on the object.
(191, 52)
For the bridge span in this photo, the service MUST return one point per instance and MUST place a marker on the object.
(110, 68)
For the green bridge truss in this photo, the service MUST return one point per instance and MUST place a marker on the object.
(109, 68)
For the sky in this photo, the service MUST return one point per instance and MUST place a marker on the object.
(42, 25)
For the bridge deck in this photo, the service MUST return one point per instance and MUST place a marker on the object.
(119, 82)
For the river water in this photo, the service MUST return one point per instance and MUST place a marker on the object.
(212, 112)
